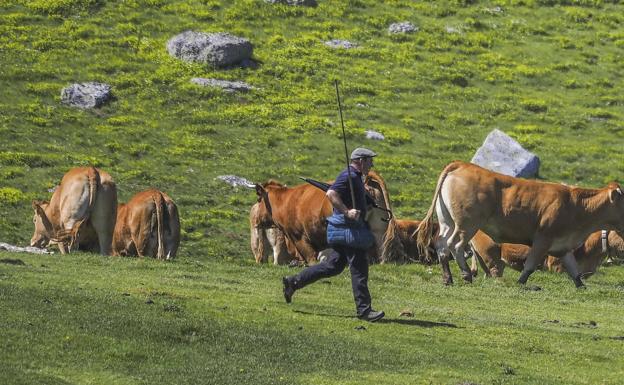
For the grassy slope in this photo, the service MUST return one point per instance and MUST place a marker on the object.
(547, 75)
(72, 320)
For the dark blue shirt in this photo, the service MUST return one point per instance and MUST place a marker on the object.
(341, 186)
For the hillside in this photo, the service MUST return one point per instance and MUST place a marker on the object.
(545, 72)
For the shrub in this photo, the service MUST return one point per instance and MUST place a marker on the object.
(11, 196)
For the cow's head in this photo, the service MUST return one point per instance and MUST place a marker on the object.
(264, 215)
(616, 194)
(43, 227)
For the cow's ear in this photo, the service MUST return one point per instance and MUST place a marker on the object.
(36, 205)
(260, 191)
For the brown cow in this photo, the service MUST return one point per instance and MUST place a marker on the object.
(83, 205)
(403, 247)
(300, 213)
(553, 218)
(148, 225)
(589, 256)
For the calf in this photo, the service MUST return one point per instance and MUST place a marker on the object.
(148, 225)
(589, 256)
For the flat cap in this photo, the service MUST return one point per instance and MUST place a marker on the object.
(362, 152)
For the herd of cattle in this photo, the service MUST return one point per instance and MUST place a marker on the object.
(526, 224)
(83, 214)
(503, 221)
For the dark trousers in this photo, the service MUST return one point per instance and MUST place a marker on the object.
(334, 265)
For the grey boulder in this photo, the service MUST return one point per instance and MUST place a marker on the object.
(86, 95)
(503, 154)
(219, 49)
(404, 27)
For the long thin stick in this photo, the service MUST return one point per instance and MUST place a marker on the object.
(344, 138)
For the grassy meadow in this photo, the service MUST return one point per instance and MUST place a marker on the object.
(547, 72)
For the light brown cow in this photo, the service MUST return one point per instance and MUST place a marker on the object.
(84, 204)
(589, 256)
(300, 213)
(268, 241)
(553, 218)
(148, 225)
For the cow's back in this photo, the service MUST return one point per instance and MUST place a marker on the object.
(508, 209)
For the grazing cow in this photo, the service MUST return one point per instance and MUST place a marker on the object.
(81, 212)
(589, 256)
(300, 213)
(148, 225)
(493, 257)
(553, 218)
(403, 247)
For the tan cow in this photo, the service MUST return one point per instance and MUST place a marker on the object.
(148, 225)
(589, 256)
(553, 218)
(268, 241)
(84, 204)
(300, 213)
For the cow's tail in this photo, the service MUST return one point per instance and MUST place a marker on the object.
(159, 202)
(392, 249)
(424, 232)
(70, 236)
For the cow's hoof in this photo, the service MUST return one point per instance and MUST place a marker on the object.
(448, 282)
(531, 287)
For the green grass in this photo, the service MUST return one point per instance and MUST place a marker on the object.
(547, 72)
(83, 319)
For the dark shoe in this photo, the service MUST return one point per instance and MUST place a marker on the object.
(289, 289)
(372, 316)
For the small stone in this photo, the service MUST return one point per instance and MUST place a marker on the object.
(404, 27)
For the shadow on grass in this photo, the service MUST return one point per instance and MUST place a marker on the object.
(409, 322)
(324, 314)
(416, 322)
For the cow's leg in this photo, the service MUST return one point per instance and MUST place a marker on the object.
(457, 243)
(443, 256)
(536, 255)
(104, 216)
(477, 260)
(569, 262)
(306, 251)
(63, 248)
(442, 242)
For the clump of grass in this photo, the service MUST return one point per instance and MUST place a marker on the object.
(62, 7)
(534, 105)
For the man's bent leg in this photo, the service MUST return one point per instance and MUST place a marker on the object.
(333, 265)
